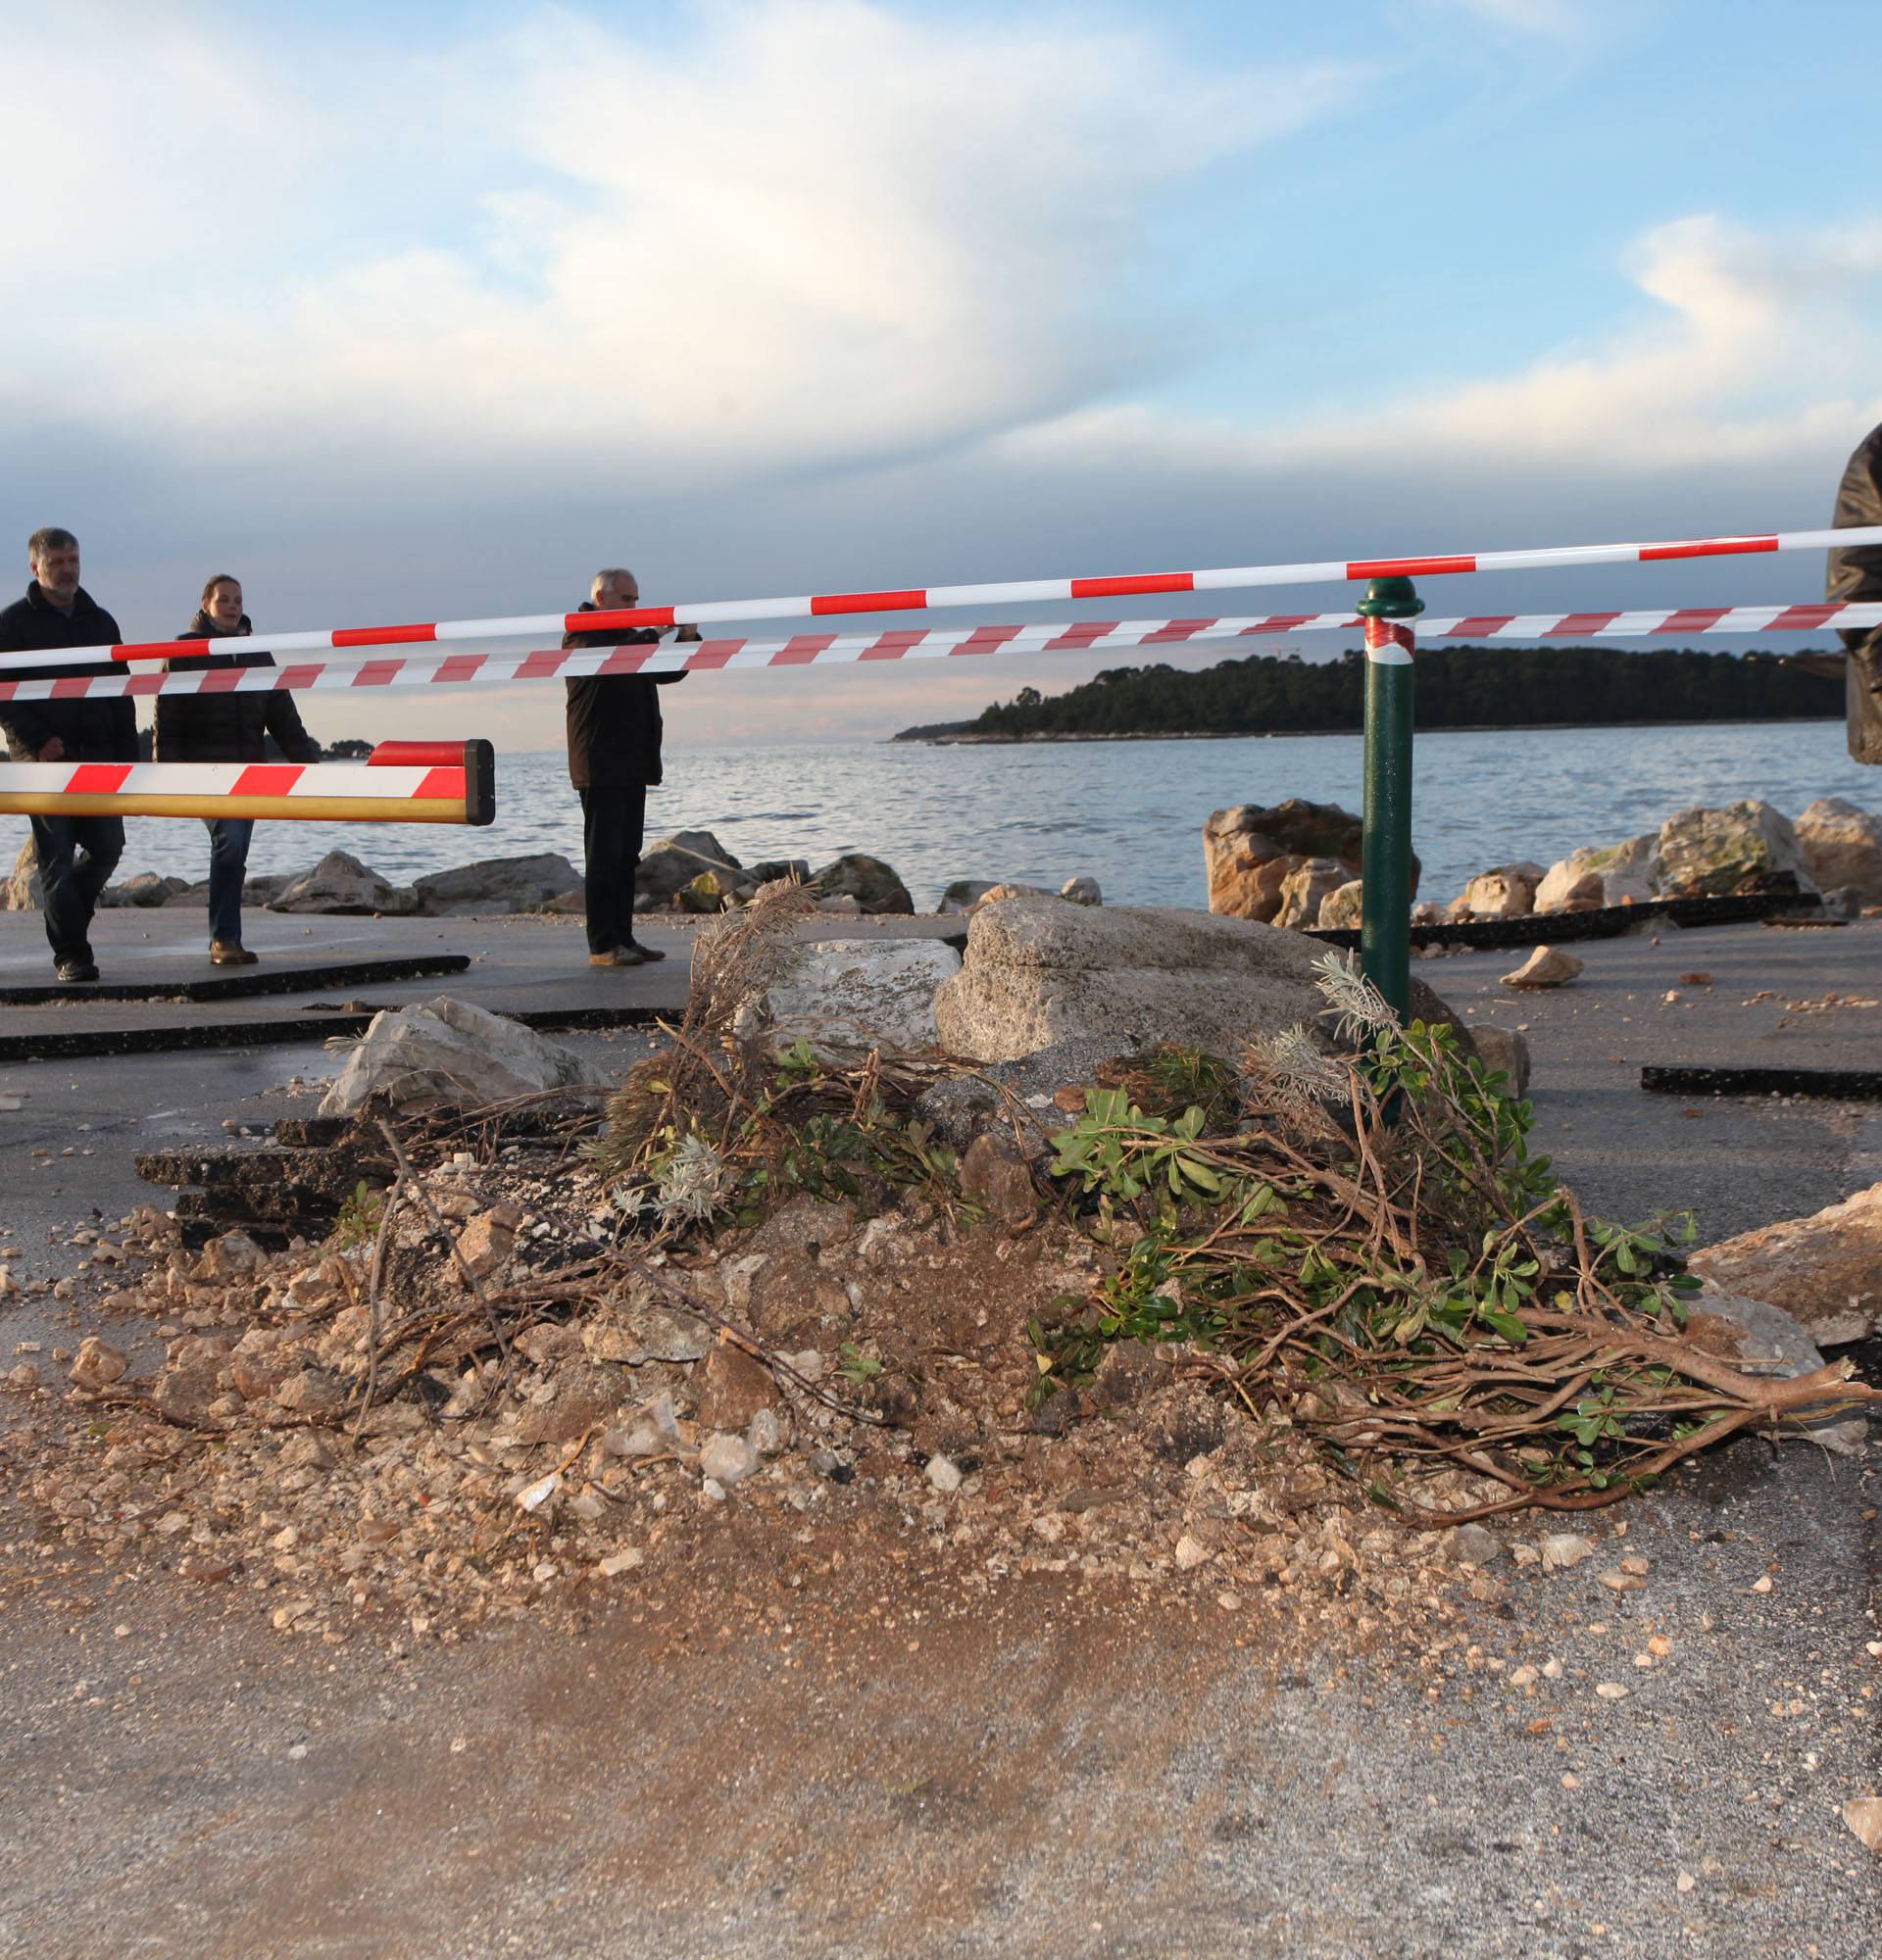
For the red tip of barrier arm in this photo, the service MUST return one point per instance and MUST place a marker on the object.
(417, 755)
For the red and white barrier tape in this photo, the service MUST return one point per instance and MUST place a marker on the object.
(914, 643)
(935, 597)
(1389, 643)
(352, 791)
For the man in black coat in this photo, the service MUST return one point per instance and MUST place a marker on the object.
(613, 760)
(1855, 575)
(226, 727)
(76, 854)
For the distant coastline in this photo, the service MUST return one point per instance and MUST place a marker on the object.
(964, 735)
(1459, 687)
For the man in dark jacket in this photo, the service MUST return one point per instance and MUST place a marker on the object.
(76, 854)
(227, 728)
(613, 760)
(1855, 575)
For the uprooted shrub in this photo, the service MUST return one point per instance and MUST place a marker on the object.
(1360, 1241)
(1372, 1250)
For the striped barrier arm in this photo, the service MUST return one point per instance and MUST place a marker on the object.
(462, 791)
(935, 597)
(933, 643)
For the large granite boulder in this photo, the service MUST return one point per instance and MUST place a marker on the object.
(1747, 846)
(144, 890)
(448, 1051)
(963, 895)
(715, 892)
(1824, 1270)
(497, 885)
(1768, 1341)
(140, 891)
(1250, 850)
(1343, 910)
(671, 864)
(1614, 874)
(1040, 972)
(1841, 847)
(341, 884)
(1508, 892)
(966, 894)
(872, 884)
(847, 996)
(1306, 888)
(768, 870)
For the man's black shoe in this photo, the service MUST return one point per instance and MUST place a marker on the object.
(648, 953)
(78, 969)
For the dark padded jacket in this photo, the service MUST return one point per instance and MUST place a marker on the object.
(226, 727)
(1855, 575)
(94, 729)
(613, 719)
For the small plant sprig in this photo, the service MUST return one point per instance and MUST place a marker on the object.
(358, 1221)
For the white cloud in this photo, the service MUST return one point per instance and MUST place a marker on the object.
(1760, 351)
(821, 233)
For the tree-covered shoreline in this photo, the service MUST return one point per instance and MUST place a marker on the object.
(1457, 687)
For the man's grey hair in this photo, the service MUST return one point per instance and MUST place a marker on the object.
(611, 580)
(49, 537)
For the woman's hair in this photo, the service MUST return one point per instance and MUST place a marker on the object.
(220, 578)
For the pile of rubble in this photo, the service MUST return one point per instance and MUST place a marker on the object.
(876, 1395)
(822, 1327)
(870, 1414)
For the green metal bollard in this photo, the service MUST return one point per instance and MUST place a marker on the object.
(1385, 936)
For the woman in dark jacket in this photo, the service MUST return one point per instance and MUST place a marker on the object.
(227, 728)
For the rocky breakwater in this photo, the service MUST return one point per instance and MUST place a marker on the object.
(689, 872)
(1834, 850)
(1298, 864)
(969, 895)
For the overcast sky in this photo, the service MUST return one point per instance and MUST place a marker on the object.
(427, 311)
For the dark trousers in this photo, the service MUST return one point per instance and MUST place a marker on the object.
(228, 863)
(614, 818)
(76, 857)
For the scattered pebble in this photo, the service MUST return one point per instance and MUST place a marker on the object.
(1561, 1549)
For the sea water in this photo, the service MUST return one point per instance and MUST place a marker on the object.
(1128, 813)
